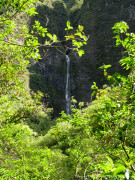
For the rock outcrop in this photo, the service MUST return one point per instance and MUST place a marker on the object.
(98, 18)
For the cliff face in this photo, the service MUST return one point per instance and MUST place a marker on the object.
(50, 71)
(97, 17)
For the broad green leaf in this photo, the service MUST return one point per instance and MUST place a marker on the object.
(80, 52)
(85, 38)
(32, 11)
(68, 26)
(75, 43)
(80, 27)
(78, 34)
(120, 168)
(50, 36)
(84, 43)
(54, 38)
(105, 66)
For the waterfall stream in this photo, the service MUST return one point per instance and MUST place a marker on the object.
(67, 94)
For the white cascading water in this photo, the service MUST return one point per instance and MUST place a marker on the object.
(67, 94)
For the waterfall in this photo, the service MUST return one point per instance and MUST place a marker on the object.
(67, 94)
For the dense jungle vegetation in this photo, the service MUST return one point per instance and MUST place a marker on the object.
(95, 142)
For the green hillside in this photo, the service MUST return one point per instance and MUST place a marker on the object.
(95, 141)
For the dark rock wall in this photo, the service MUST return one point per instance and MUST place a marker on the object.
(97, 17)
(52, 69)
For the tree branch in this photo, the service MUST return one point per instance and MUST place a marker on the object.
(18, 10)
(45, 45)
(132, 167)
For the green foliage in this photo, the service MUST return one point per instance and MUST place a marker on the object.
(20, 159)
(13, 64)
(94, 142)
(114, 119)
(68, 26)
(23, 156)
(127, 42)
(78, 39)
(99, 139)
